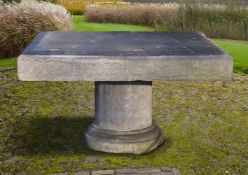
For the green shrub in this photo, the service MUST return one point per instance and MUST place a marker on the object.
(19, 23)
(217, 21)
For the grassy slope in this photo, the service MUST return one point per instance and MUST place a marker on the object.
(205, 125)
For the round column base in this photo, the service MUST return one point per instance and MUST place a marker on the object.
(134, 142)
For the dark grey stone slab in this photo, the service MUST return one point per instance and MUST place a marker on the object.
(123, 56)
(122, 44)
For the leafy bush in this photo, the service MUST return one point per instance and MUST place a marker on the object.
(217, 21)
(19, 23)
(77, 7)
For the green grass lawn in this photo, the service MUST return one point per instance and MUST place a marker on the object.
(81, 25)
(239, 51)
(7, 63)
(205, 124)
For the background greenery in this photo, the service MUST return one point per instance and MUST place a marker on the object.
(77, 7)
(189, 1)
(225, 22)
(19, 23)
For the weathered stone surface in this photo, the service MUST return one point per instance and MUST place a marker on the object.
(128, 171)
(148, 171)
(140, 170)
(165, 169)
(176, 171)
(123, 106)
(102, 172)
(123, 56)
(135, 142)
(123, 119)
(82, 173)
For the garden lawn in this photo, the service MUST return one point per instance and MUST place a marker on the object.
(205, 123)
(239, 51)
(81, 25)
(7, 63)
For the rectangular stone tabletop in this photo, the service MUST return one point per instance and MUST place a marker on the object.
(123, 56)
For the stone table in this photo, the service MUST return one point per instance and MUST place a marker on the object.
(123, 66)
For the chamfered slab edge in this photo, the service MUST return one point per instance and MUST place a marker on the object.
(100, 68)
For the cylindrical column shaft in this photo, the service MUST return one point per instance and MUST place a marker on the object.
(123, 106)
(123, 119)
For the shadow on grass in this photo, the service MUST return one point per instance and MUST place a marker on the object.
(43, 135)
(51, 135)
